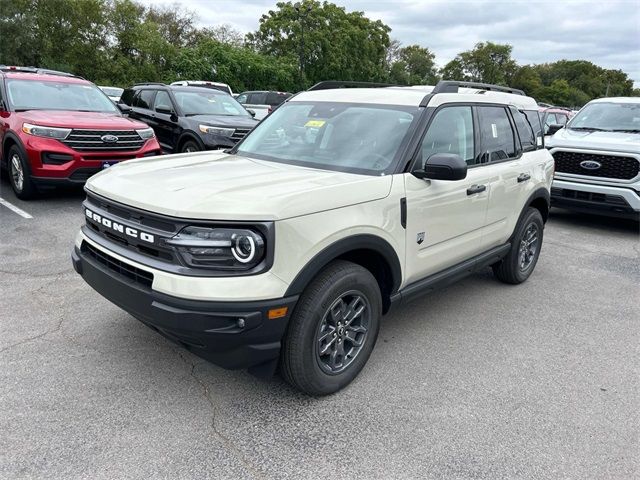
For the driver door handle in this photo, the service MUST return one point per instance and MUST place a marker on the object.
(523, 177)
(473, 189)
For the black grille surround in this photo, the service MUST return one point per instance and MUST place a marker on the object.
(158, 254)
(91, 140)
(612, 166)
(123, 269)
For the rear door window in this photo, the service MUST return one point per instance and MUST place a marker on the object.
(144, 99)
(496, 135)
(274, 98)
(525, 131)
(127, 97)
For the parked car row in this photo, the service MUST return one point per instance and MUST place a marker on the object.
(59, 129)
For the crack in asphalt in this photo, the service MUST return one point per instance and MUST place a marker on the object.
(225, 440)
(40, 291)
(50, 331)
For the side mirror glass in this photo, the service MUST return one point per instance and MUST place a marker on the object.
(443, 166)
(554, 128)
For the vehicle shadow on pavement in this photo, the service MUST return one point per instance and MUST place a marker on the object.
(568, 218)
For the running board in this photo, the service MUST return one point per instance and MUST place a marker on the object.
(450, 275)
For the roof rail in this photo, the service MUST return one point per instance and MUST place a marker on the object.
(451, 86)
(331, 84)
(150, 83)
(39, 71)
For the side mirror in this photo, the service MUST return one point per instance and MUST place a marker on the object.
(554, 128)
(124, 108)
(166, 109)
(251, 112)
(443, 166)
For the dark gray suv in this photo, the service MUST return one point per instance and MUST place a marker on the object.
(188, 119)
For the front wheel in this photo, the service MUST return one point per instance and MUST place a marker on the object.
(519, 263)
(190, 146)
(19, 175)
(333, 329)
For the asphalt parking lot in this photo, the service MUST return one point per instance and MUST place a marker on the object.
(480, 380)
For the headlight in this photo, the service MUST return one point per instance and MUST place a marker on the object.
(225, 132)
(146, 133)
(48, 132)
(234, 249)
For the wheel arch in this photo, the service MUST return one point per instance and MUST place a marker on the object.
(11, 139)
(540, 199)
(186, 136)
(369, 251)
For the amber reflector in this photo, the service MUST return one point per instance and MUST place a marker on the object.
(277, 312)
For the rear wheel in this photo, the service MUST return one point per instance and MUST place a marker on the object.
(190, 146)
(19, 175)
(519, 263)
(333, 329)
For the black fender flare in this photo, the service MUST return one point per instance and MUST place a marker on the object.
(10, 135)
(342, 247)
(539, 193)
(189, 135)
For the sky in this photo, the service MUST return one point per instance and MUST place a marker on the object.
(605, 32)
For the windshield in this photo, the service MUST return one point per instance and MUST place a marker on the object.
(608, 116)
(51, 95)
(112, 91)
(208, 103)
(358, 138)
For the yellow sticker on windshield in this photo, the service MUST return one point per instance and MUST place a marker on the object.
(314, 123)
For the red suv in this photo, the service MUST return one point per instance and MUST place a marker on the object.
(56, 129)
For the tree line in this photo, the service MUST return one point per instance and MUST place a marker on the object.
(121, 42)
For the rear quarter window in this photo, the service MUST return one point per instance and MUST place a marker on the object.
(127, 97)
(525, 131)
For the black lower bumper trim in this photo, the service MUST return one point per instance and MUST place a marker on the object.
(618, 209)
(230, 334)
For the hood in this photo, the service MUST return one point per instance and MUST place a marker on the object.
(219, 186)
(241, 121)
(583, 139)
(84, 120)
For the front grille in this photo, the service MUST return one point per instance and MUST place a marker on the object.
(123, 269)
(239, 134)
(589, 196)
(91, 140)
(624, 168)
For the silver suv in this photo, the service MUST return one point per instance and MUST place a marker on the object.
(597, 159)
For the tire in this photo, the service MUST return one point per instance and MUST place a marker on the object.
(190, 146)
(20, 175)
(336, 288)
(521, 260)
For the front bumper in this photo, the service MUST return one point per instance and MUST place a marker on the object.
(230, 334)
(623, 202)
(74, 167)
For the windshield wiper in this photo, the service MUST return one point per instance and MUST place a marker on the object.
(26, 109)
(592, 129)
(626, 130)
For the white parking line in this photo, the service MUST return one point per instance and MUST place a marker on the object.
(15, 209)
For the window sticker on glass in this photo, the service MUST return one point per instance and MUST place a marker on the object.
(494, 130)
(539, 141)
(314, 123)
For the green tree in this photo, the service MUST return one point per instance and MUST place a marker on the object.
(487, 62)
(414, 65)
(337, 44)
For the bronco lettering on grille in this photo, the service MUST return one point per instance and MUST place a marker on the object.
(118, 227)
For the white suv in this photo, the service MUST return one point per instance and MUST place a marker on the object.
(287, 249)
(598, 159)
